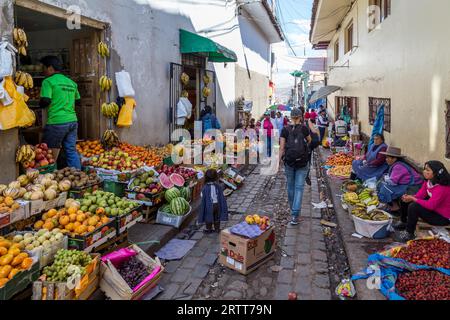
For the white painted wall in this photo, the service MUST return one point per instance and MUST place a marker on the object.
(145, 39)
(406, 60)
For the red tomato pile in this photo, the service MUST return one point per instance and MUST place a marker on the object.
(433, 253)
(424, 285)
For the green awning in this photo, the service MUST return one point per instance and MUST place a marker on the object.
(193, 43)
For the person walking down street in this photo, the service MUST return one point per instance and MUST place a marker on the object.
(279, 120)
(401, 179)
(214, 207)
(60, 95)
(431, 203)
(268, 124)
(294, 152)
(313, 114)
(322, 123)
(209, 120)
(315, 143)
(373, 165)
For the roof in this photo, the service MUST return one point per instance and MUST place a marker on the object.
(274, 19)
(313, 18)
(315, 64)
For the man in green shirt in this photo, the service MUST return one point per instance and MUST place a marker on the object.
(60, 94)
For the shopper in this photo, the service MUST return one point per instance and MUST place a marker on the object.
(313, 114)
(431, 203)
(373, 165)
(279, 120)
(268, 124)
(209, 120)
(214, 207)
(60, 94)
(294, 152)
(322, 123)
(315, 143)
(401, 179)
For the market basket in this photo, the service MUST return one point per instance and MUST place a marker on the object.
(372, 229)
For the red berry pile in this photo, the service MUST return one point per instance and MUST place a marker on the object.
(433, 253)
(424, 285)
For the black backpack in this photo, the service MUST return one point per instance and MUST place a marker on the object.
(296, 150)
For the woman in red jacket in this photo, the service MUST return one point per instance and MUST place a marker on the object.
(431, 203)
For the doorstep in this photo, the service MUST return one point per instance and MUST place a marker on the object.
(357, 250)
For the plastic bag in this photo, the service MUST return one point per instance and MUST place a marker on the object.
(124, 85)
(126, 113)
(7, 52)
(17, 114)
(345, 289)
(119, 256)
(371, 183)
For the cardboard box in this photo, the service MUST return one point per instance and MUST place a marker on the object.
(245, 255)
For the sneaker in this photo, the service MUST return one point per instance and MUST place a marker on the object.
(294, 221)
(399, 226)
(308, 181)
(404, 236)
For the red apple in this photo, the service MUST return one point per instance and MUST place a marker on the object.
(43, 146)
(39, 157)
(43, 163)
(26, 165)
(32, 164)
(51, 161)
(292, 296)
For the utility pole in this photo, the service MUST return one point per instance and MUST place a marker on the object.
(295, 93)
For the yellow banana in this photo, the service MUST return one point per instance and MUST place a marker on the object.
(30, 83)
(23, 51)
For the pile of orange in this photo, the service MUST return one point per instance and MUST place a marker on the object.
(340, 159)
(90, 148)
(148, 156)
(72, 221)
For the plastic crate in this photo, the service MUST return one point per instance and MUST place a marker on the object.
(115, 187)
(20, 282)
(170, 219)
(79, 193)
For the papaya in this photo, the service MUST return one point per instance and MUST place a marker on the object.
(3, 251)
(13, 273)
(6, 259)
(14, 251)
(5, 244)
(26, 263)
(24, 255)
(19, 246)
(17, 261)
(3, 281)
(4, 271)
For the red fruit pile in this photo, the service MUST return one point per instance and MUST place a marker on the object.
(433, 253)
(43, 158)
(424, 285)
(186, 173)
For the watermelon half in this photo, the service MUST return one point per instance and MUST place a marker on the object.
(177, 180)
(165, 181)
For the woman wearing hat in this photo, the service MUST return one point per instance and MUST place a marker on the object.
(401, 179)
(373, 165)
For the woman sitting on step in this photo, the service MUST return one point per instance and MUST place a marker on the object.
(431, 203)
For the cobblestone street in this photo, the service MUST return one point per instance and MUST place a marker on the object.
(300, 263)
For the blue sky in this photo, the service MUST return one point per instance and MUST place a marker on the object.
(295, 19)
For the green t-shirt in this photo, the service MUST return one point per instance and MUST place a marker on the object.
(63, 92)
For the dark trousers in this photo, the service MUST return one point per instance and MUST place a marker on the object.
(413, 211)
(216, 215)
(322, 133)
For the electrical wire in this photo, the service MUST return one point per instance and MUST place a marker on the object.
(282, 31)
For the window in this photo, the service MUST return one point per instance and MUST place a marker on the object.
(384, 11)
(351, 103)
(336, 50)
(374, 106)
(349, 38)
(447, 154)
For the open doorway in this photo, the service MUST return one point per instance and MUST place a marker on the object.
(77, 49)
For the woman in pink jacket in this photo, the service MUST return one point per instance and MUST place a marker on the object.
(431, 203)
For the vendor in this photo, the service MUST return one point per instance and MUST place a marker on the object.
(322, 123)
(431, 203)
(340, 128)
(60, 94)
(373, 165)
(401, 179)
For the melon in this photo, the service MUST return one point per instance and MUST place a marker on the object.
(177, 180)
(179, 206)
(172, 194)
(186, 193)
(165, 181)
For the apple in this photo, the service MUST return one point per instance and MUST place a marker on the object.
(292, 296)
(43, 163)
(26, 165)
(43, 146)
(51, 161)
(39, 157)
(32, 164)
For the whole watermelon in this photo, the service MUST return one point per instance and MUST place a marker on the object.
(172, 194)
(179, 206)
(186, 193)
(166, 208)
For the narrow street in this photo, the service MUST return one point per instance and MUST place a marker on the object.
(300, 264)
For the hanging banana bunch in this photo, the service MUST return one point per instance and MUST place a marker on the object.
(105, 83)
(103, 49)
(206, 92)
(206, 79)
(20, 40)
(24, 79)
(110, 139)
(110, 110)
(25, 154)
(185, 79)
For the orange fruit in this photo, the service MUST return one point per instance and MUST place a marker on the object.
(52, 213)
(81, 217)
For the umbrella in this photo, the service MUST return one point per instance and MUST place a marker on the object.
(378, 125)
(323, 93)
(273, 108)
(283, 107)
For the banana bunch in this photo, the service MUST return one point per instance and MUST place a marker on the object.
(110, 110)
(374, 201)
(351, 198)
(103, 49)
(185, 79)
(185, 94)
(105, 83)
(24, 79)
(361, 213)
(25, 154)
(206, 92)
(206, 79)
(365, 195)
(374, 215)
(21, 40)
(110, 139)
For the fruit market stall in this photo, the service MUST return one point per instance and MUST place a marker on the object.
(418, 270)
(339, 165)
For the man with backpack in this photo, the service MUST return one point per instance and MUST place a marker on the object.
(294, 151)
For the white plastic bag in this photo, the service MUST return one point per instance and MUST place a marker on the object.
(6, 59)
(5, 99)
(124, 84)
(371, 183)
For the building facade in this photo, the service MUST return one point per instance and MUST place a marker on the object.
(392, 53)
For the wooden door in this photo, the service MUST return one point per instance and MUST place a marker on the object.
(86, 67)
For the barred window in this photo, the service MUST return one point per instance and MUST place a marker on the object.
(447, 141)
(374, 106)
(350, 102)
(385, 10)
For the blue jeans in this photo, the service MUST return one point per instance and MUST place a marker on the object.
(295, 186)
(64, 136)
(269, 146)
